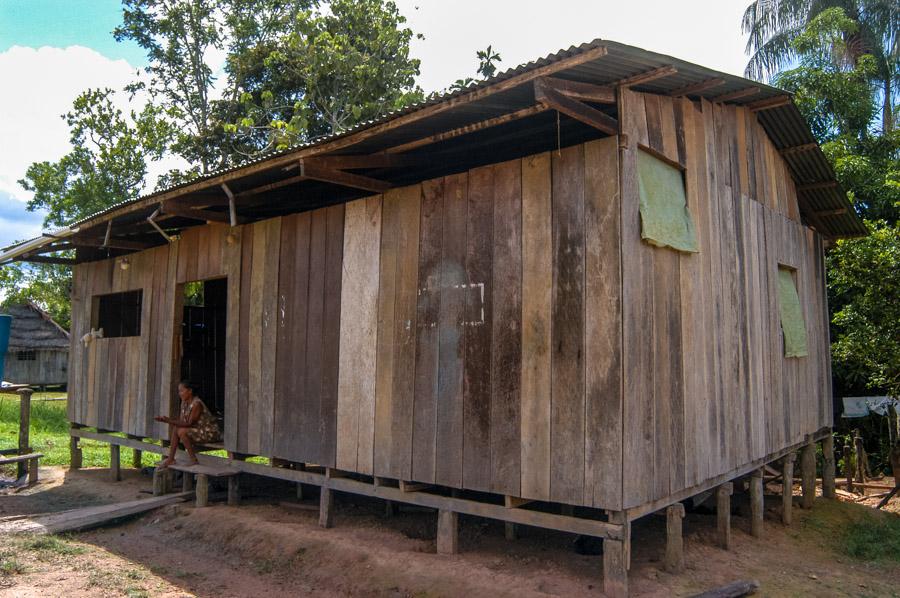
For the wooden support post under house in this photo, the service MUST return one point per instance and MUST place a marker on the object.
(828, 467)
(299, 491)
(447, 532)
(723, 514)
(390, 508)
(848, 468)
(234, 490)
(24, 427)
(616, 559)
(136, 454)
(326, 507)
(75, 454)
(32, 471)
(202, 491)
(162, 483)
(510, 530)
(674, 562)
(187, 481)
(115, 465)
(757, 503)
(787, 485)
(808, 474)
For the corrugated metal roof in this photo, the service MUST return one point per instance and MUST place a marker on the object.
(441, 112)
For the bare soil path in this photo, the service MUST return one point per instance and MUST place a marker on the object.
(262, 549)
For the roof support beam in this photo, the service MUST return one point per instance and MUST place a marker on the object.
(817, 186)
(174, 209)
(769, 103)
(695, 88)
(271, 186)
(339, 177)
(465, 130)
(834, 212)
(111, 243)
(790, 151)
(43, 259)
(574, 109)
(379, 160)
(586, 92)
(735, 95)
(232, 210)
(647, 76)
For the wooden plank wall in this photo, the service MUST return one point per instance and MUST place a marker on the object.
(50, 366)
(711, 389)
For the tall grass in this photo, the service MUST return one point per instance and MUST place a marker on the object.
(49, 430)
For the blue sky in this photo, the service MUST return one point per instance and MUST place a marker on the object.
(62, 23)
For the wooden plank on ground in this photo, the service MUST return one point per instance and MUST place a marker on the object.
(537, 287)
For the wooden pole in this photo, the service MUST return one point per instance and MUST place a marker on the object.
(860, 458)
(24, 427)
(723, 514)
(299, 491)
(757, 503)
(136, 454)
(808, 474)
(787, 493)
(447, 532)
(234, 490)
(115, 466)
(848, 468)
(674, 562)
(160, 482)
(202, 491)
(615, 572)
(828, 486)
(74, 454)
(326, 507)
(510, 531)
(187, 481)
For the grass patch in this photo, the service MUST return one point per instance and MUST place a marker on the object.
(857, 531)
(49, 430)
(51, 545)
(9, 565)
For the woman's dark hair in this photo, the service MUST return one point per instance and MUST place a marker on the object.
(190, 386)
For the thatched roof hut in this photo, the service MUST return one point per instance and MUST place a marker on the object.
(38, 350)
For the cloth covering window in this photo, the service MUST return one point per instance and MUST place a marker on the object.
(665, 219)
(792, 324)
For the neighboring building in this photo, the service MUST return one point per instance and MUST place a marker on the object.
(38, 352)
(595, 280)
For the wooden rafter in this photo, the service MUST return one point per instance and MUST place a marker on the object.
(817, 186)
(574, 109)
(112, 243)
(378, 160)
(175, 209)
(340, 177)
(696, 88)
(797, 149)
(735, 95)
(586, 92)
(834, 212)
(53, 248)
(43, 259)
(465, 130)
(769, 103)
(270, 186)
(647, 76)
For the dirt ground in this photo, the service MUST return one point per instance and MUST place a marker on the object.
(264, 549)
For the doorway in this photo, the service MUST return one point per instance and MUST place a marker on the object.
(203, 341)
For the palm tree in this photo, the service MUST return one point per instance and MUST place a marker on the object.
(773, 24)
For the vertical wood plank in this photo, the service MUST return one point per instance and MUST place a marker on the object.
(506, 346)
(537, 286)
(567, 407)
(384, 368)
(332, 333)
(232, 266)
(310, 396)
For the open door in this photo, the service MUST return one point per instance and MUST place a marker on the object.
(203, 341)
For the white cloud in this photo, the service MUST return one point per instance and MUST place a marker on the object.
(707, 33)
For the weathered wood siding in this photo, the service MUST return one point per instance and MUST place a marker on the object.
(50, 366)
(707, 386)
(502, 329)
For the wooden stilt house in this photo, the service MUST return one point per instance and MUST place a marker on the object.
(595, 280)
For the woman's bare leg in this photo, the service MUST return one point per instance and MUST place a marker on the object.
(173, 445)
(183, 434)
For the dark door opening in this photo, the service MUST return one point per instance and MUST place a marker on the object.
(203, 341)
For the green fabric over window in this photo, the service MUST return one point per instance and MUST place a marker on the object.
(792, 324)
(665, 219)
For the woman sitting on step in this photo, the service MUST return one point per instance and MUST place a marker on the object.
(195, 425)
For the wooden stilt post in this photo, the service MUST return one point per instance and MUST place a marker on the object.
(757, 503)
(24, 427)
(32, 471)
(74, 453)
(447, 532)
(326, 508)
(828, 486)
(848, 468)
(136, 454)
(510, 530)
(787, 484)
(115, 465)
(390, 508)
(808, 474)
(202, 491)
(187, 481)
(674, 562)
(299, 491)
(161, 481)
(234, 490)
(723, 514)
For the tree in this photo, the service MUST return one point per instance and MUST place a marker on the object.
(329, 70)
(487, 66)
(774, 25)
(107, 165)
